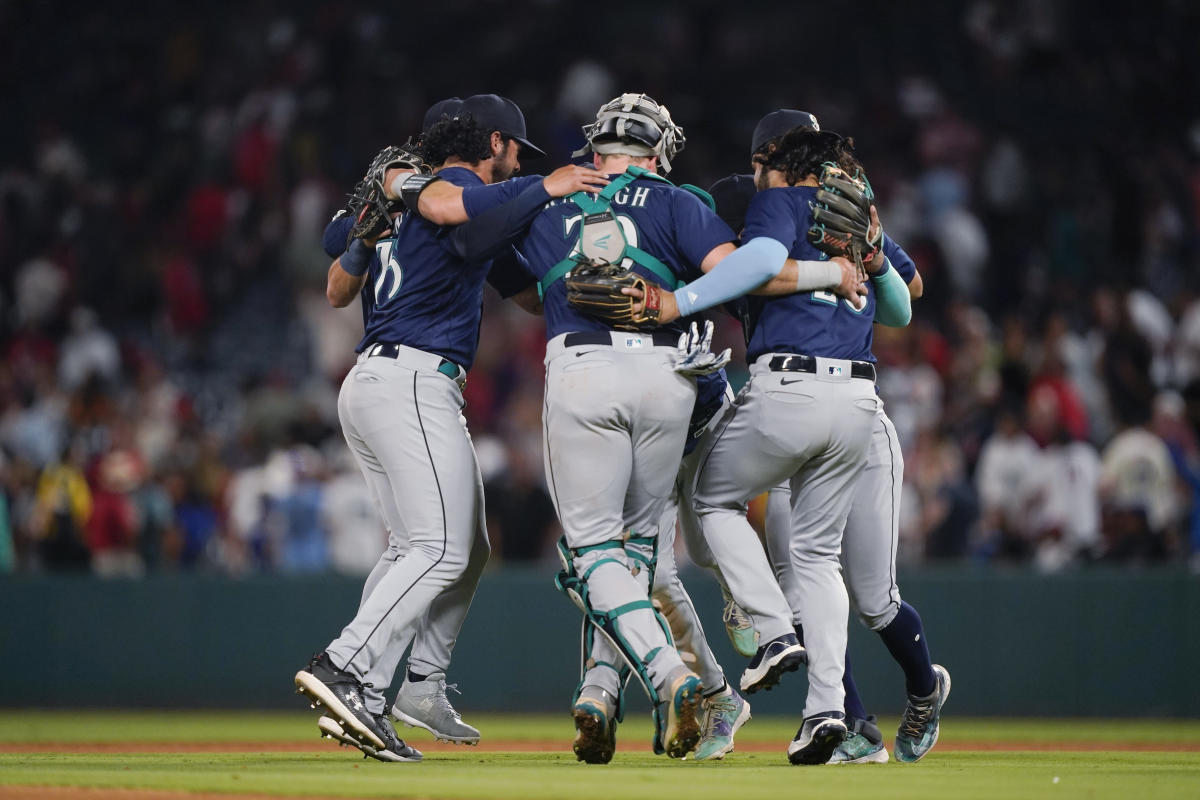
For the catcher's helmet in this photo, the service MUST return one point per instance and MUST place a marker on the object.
(634, 124)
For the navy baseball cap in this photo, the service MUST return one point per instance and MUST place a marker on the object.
(442, 108)
(732, 195)
(500, 114)
(779, 122)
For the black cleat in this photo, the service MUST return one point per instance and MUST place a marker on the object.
(817, 738)
(781, 654)
(340, 693)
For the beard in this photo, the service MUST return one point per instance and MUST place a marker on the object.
(503, 165)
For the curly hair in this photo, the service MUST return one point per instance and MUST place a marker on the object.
(459, 136)
(801, 151)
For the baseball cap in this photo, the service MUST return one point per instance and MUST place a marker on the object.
(779, 122)
(442, 108)
(500, 114)
(732, 195)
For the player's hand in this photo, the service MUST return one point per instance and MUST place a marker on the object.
(573, 178)
(668, 308)
(873, 261)
(852, 286)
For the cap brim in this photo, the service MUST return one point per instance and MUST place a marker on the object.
(529, 149)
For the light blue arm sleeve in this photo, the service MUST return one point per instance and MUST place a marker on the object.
(743, 270)
(893, 304)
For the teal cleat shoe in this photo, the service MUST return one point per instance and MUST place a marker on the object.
(918, 731)
(595, 726)
(863, 745)
(738, 626)
(724, 715)
(678, 714)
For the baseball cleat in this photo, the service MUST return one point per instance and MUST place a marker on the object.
(724, 715)
(423, 704)
(817, 738)
(863, 745)
(780, 655)
(595, 726)
(738, 626)
(341, 693)
(396, 750)
(679, 713)
(918, 731)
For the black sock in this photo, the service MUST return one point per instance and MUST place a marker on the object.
(905, 640)
(414, 677)
(721, 688)
(854, 704)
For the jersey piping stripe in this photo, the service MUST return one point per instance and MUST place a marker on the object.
(550, 459)
(893, 590)
(442, 500)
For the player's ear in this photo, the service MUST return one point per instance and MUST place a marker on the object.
(497, 144)
(596, 160)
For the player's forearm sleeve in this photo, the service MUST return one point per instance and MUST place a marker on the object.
(893, 306)
(741, 271)
(482, 237)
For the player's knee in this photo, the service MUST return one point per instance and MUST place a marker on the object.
(878, 616)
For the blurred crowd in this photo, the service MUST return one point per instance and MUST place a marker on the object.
(170, 365)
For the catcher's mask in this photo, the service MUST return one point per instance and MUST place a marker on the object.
(634, 124)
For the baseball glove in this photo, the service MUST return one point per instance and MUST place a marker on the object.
(369, 204)
(596, 291)
(842, 216)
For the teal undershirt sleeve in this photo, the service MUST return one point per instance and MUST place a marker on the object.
(893, 305)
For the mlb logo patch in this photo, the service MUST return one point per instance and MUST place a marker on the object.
(835, 370)
(633, 341)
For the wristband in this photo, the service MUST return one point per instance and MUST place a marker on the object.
(408, 187)
(817, 275)
(357, 258)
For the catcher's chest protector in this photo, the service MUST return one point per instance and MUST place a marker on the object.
(602, 240)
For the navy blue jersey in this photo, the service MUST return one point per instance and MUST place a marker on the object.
(671, 224)
(901, 261)
(510, 273)
(422, 295)
(815, 323)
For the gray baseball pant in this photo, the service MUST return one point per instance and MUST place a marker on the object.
(813, 430)
(402, 420)
(872, 531)
(614, 424)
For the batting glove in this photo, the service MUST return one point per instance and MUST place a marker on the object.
(693, 355)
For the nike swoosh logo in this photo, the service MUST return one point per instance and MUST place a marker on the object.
(584, 353)
(785, 381)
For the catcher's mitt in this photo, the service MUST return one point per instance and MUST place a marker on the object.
(369, 204)
(842, 216)
(596, 291)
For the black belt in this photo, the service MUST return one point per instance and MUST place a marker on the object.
(600, 337)
(798, 363)
(446, 367)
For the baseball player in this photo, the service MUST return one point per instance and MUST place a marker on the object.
(624, 399)
(400, 412)
(815, 435)
(870, 537)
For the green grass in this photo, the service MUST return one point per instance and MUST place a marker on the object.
(634, 774)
